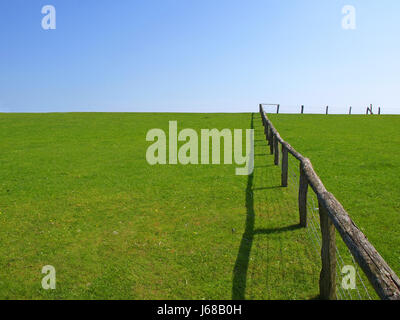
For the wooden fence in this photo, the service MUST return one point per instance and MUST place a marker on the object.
(368, 110)
(332, 215)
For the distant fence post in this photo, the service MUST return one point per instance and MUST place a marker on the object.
(303, 189)
(262, 118)
(379, 110)
(285, 165)
(350, 110)
(370, 109)
(276, 150)
(327, 107)
(271, 140)
(302, 109)
(327, 280)
(266, 130)
(277, 108)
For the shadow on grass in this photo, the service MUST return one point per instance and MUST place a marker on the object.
(266, 166)
(243, 257)
(267, 188)
(277, 230)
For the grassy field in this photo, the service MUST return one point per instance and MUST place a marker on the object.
(77, 193)
(358, 159)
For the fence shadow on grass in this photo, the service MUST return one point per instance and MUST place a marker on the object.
(242, 261)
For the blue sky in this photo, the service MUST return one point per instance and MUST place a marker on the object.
(199, 55)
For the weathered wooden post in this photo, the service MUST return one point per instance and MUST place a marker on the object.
(285, 165)
(379, 110)
(276, 150)
(262, 116)
(350, 110)
(303, 189)
(327, 279)
(277, 108)
(327, 107)
(370, 109)
(271, 140)
(302, 109)
(266, 129)
(367, 110)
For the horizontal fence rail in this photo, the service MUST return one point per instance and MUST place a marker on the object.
(332, 216)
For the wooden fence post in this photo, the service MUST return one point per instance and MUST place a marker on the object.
(350, 110)
(285, 165)
(327, 107)
(379, 110)
(327, 280)
(270, 141)
(276, 150)
(303, 189)
(277, 108)
(302, 109)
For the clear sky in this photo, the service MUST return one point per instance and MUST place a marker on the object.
(199, 55)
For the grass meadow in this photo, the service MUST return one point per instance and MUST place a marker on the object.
(77, 193)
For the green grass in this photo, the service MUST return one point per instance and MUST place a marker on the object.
(77, 193)
(358, 159)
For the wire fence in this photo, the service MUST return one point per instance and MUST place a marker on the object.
(363, 290)
(332, 109)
